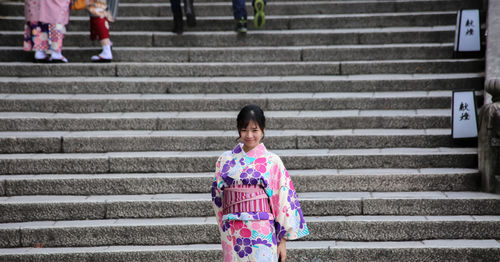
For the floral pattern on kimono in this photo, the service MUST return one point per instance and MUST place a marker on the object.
(254, 236)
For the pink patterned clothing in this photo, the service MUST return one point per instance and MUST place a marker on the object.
(253, 235)
(45, 24)
(47, 11)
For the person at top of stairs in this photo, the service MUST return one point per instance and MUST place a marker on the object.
(253, 197)
(175, 5)
(45, 27)
(100, 16)
(240, 15)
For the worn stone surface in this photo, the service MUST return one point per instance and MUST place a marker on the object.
(157, 103)
(431, 206)
(10, 238)
(30, 145)
(11, 212)
(362, 83)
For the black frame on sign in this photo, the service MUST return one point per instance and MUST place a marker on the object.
(452, 113)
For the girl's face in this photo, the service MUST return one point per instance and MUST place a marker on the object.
(251, 136)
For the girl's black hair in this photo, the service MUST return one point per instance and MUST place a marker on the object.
(250, 113)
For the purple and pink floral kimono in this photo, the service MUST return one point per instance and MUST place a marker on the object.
(254, 236)
(45, 24)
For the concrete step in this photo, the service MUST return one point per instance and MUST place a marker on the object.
(342, 251)
(20, 69)
(271, 84)
(434, 34)
(95, 103)
(273, 22)
(39, 208)
(275, 8)
(188, 140)
(316, 180)
(250, 54)
(185, 230)
(203, 161)
(278, 120)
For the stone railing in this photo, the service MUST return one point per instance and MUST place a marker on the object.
(489, 116)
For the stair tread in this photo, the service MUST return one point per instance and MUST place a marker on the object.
(293, 173)
(282, 153)
(230, 114)
(205, 197)
(211, 221)
(223, 133)
(289, 95)
(445, 243)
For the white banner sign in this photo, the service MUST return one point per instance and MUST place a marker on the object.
(464, 121)
(467, 33)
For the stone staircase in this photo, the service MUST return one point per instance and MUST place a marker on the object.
(113, 162)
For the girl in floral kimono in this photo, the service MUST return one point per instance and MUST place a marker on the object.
(255, 203)
(44, 29)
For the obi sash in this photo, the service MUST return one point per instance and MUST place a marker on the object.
(245, 198)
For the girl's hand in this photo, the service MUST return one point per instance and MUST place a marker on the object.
(282, 250)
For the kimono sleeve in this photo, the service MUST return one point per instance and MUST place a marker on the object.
(289, 219)
(217, 193)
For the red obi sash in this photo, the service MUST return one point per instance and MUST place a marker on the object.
(245, 198)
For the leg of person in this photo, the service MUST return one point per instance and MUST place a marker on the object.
(56, 36)
(189, 11)
(259, 18)
(36, 38)
(175, 5)
(240, 16)
(99, 30)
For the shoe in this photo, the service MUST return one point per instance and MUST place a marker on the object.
(57, 60)
(259, 18)
(241, 26)
(177, 29)
(189, 11)
(100, 59)
(40, 57)
(57, 57)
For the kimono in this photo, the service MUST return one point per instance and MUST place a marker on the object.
(45, 24)
(254, 236)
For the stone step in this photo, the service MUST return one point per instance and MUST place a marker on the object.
(342, 251)
(39, 207)
(188, 140)
(20, 69)
(273, 22)
(100, 103)
(185, 230)
(435, 34)
(275, 7)
(250, 54)
(426, 250)
(271, 84)
(203, 161)
(316, 180)
(278, 120)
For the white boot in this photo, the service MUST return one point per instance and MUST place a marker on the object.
(57, 57)
(40, 56)
(104, 56)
